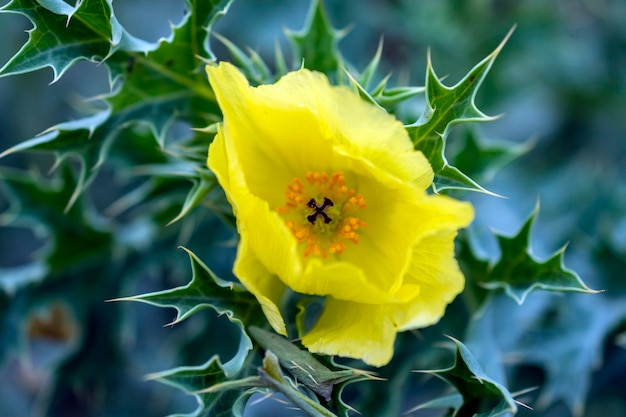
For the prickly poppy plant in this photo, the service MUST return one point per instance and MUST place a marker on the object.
(330, 198)
(322, 231)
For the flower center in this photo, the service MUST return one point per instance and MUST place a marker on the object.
(321, 213)
(319, 210)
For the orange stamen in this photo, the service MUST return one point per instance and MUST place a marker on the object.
(321, 238)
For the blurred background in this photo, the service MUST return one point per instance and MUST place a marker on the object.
(560, 82)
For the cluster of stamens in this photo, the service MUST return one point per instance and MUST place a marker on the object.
(320, 212)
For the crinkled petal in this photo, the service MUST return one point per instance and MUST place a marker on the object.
(438, 212)
(435, 270)
(402, 273)
(384, 246)
(368, 332)
(303, 121)
(353, 330)
(342, 280)
(368, 133)
(252, 273)
(295, 102)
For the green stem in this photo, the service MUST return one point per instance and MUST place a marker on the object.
(306, 404)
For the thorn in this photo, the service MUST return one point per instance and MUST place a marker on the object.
(260, 400)
(523, 405)
(525, 391)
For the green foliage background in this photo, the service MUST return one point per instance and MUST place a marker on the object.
(560, 83)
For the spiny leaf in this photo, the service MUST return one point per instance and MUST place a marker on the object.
(87, 139)
(63, 35)
(366, 77)
(315, 46)
(382, 97)
(446, 107)
(272, 376)
(363, 93)
(206, 290)
(164, 181)
(198, 32)
(519, 273)
(481, 160)
(195, 379)
(251, 64)
(36, 201)
(153, 91)
(342, 408)
(391, 97)
(170, 82)
(565, 335)
(303, 365)
(379, 94)
(201, 188)
(482, 396)
(476, 271)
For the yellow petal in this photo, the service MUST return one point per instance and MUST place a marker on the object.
(269, 239)
(353, 330)
(303, 121)
(275, 133)
(264, 285)
(402, 273)
(274, 246)
(435, 270)
(368, 332)
(274, 137)
(340, 279)
(384, 247)
(218, 162)
(438, 212)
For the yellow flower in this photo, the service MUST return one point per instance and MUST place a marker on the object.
(330, 199)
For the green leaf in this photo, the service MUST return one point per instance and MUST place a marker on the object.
(87, 140)
(519, 273)
(75, 237)
(563, 334)
(363, 93)
(206, 290)
(153, 91)
(169, 83)
(251, 64)
(482, 396)
(446, 107)
(315, 46)
(481, 159)
(476, 271)
(195, 379)
(366, 77)
(303, 365)
(382, 97)
(271, 375)
(63, 35)
(201, 188)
